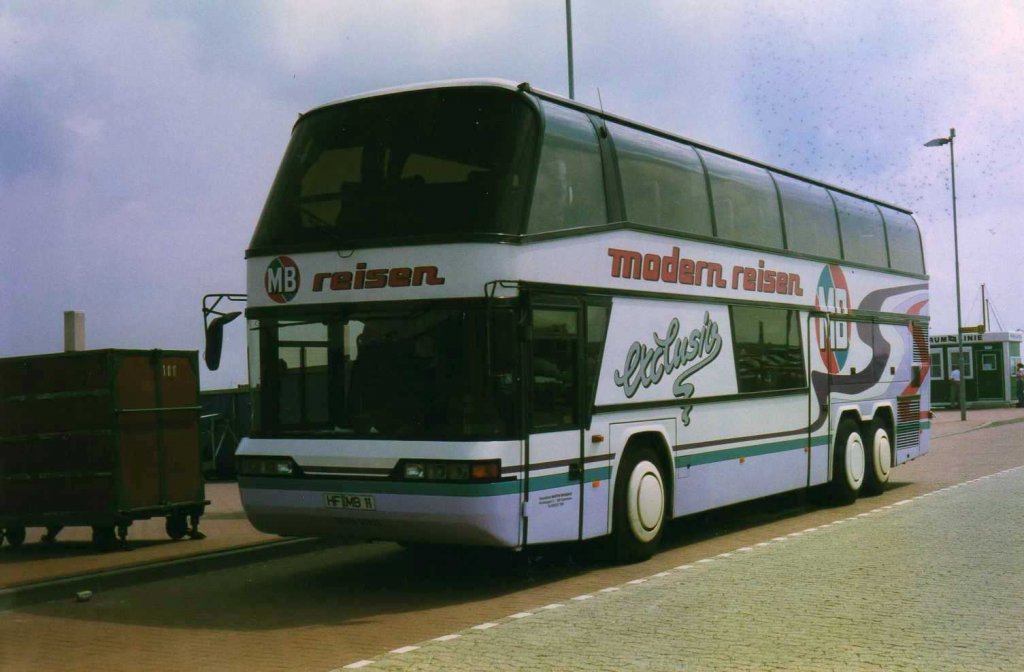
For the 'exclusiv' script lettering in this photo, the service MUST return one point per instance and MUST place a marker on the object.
(647, 365)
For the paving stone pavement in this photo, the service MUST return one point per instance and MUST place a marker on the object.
(932, 583)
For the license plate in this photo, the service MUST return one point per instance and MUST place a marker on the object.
(339, 500)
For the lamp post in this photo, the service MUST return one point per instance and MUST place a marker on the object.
(938, 142)
(568, 40)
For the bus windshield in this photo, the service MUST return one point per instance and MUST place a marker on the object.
(446, 162)
(408, 373)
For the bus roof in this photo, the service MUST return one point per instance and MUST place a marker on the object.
(526, 87)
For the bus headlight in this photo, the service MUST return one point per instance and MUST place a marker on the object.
(448, 470)
(267, 466)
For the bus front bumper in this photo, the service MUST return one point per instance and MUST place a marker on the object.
(485, 514)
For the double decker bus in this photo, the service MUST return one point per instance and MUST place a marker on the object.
(479, 313)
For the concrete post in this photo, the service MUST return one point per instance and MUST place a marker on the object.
(74, 331)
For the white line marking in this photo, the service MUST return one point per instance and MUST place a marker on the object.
(485, 626)
(553, 606)
(902, 502)
(723, 555)
(636, 582)
(684, 567)
(660, 575)
(446, 638)
(522, 614)
(762, 544)
(404, 649)
(810, 529)
(704, 560)
(745, 549)
(356, 665)
(609, 590)
(580, 598)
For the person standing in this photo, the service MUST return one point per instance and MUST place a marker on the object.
(954, 386)
(1020, 385)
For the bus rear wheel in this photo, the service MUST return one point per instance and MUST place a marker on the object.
(879, 462)
(639, 516)
(849, 463)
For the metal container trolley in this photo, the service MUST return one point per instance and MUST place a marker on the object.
(100, 438)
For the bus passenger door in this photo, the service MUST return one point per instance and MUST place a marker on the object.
(821, 362)
(554, 436)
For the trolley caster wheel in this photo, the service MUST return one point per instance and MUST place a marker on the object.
(176, 526)
(15, 536)
(122, 536)
(104, 537)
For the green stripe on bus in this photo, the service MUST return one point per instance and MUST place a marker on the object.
(712, 456)
(537, 483)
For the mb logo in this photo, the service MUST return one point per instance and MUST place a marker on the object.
(833, 336)
(282, 279)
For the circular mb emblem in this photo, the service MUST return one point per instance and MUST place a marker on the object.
(282, 279)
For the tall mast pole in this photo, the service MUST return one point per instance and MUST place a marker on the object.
(568, 39)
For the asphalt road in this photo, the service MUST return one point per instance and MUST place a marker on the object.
(348, 605)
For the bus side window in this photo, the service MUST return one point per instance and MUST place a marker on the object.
(810, 216)
(862, 230)
(904, 239)
(662, 182)
(744, 201)
(767, 349)
(569, 192)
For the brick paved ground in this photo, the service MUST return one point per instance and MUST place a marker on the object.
(935, 583)
(224, 524)
(323, 610)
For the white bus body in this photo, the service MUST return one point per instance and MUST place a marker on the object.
(560, 383)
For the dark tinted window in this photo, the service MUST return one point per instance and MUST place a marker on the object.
(810, 218)
(745, 203)
(409, 373)
(554, 368)
(662, 181)
(904, 241)
(447, 161)
(597, 328)
(862, 230)
(766, 345)
(569, 192)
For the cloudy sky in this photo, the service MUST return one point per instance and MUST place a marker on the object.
(138, 139)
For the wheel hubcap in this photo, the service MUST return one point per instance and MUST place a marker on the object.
(854, 461)
(883, 455)
(646, 503)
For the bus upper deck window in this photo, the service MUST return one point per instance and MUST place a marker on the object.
(569, 192)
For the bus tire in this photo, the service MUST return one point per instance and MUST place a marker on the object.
(879, 458)
(640, 506)
(850, 458)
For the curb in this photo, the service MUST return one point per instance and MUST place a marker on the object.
(67, 587)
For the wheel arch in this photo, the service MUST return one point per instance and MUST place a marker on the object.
(653, 437)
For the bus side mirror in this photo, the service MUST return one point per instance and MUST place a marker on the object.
(215, 339)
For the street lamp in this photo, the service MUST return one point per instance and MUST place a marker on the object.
(938, 142)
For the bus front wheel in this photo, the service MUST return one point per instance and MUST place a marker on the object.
(879, 462)
(639, 517)
(848, 462)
